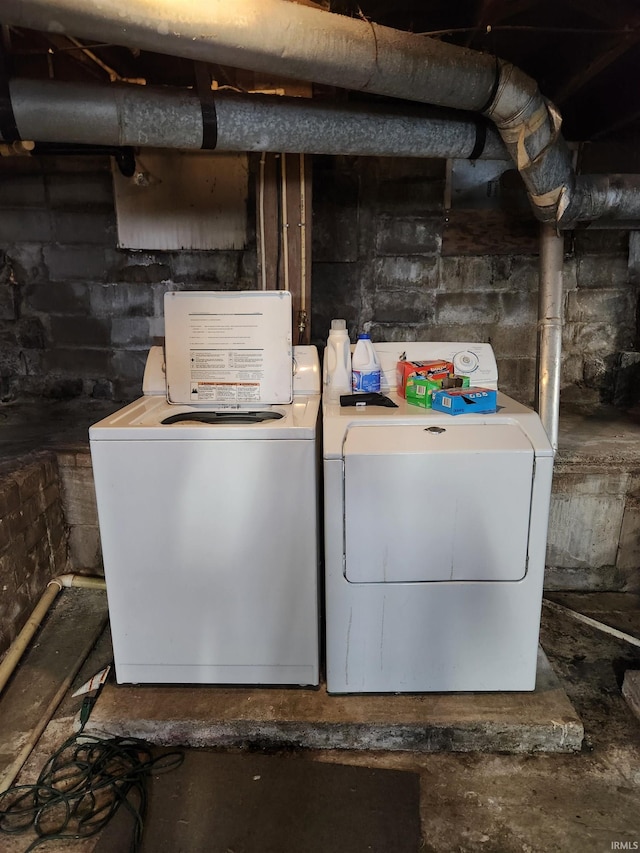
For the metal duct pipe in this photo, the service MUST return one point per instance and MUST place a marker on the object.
(52, 111)
(281, 37)
(604, 196)
(299, 125)
(550, 321)
(530, 127)
(295, 41)
(277, 36)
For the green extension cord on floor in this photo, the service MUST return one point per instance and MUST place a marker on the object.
(81, 787)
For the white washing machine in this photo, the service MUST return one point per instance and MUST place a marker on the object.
(435, 538)
(209, 522)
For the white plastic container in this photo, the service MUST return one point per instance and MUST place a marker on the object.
(338, 359)
(365, 366)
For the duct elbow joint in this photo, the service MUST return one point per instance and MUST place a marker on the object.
(513, 94)
(530, 128)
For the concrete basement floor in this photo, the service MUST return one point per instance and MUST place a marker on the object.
(473, 801)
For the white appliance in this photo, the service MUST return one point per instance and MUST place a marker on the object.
(209, 524)
(435, 537)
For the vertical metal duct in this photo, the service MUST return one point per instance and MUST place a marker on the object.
(550, 322)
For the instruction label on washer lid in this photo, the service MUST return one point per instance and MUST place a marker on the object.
(238, 347)
(225, 375)
(225, 392)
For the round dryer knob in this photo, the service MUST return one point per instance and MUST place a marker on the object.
(465, 362)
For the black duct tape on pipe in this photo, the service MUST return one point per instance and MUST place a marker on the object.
(481, 140)
(8, 127)
(209, 123)
(494, 89)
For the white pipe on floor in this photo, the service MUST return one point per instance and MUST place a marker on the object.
(15, 652)
(9, 774)
(56, 585)
(593, 623)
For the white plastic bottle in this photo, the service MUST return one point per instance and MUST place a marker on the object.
(365, 366)
(338, 359)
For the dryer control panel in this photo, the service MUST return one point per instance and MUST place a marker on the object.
(475, 360)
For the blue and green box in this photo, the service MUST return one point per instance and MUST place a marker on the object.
(419, 391)
(461, 401)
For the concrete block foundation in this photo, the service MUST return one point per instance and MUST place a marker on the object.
(594, 522)
(33, 537)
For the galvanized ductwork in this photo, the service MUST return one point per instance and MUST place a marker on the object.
(277, 36)
(550, 322)
(123, 114)
(611, 197)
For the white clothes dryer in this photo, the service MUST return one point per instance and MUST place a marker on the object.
(435, 538)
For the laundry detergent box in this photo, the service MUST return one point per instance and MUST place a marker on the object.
(419, 389)
(427, 369)
(461, 401)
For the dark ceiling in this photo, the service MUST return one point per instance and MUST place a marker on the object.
(584, 54)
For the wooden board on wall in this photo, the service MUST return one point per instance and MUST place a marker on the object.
(183, 200)
(488, 232)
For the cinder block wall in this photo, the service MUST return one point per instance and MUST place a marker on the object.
(33, 538)
(80, 510)
(380, 227)
(594, 527)
(77, 315)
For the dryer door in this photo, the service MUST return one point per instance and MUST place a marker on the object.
(443, 503)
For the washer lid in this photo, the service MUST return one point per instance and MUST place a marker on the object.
(437, 503)
(143, 419)
(228, 348)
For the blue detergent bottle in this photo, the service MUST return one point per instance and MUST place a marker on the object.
(365, 367)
